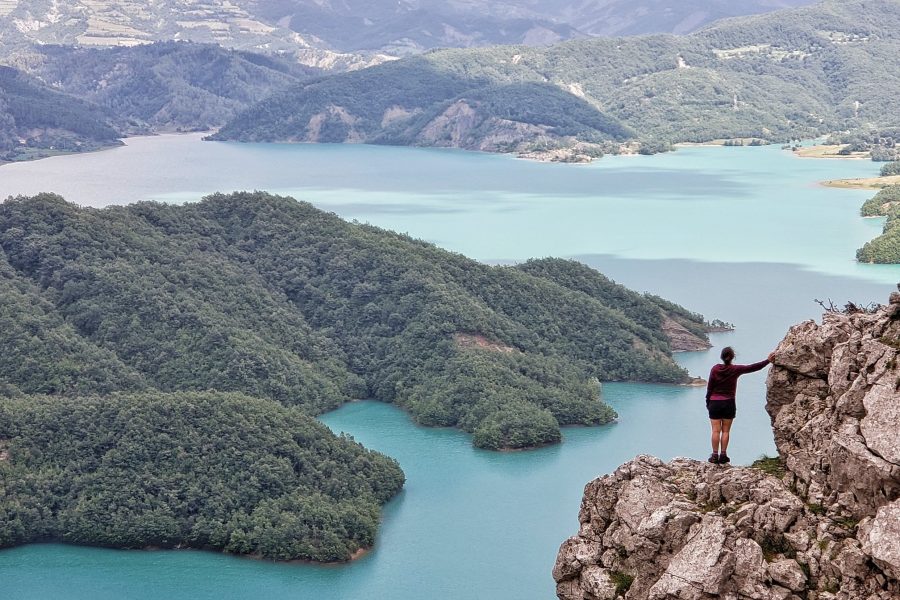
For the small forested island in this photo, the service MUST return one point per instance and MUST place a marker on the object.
(886, 247)
(162, 365)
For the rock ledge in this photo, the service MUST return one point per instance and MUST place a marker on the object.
(826, 526)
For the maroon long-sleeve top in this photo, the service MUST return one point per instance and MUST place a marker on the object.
(723, 379)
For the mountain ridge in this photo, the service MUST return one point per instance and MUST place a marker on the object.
(316, 31)
(794, 73)
(36, 120)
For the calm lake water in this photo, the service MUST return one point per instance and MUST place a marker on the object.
(741, 234)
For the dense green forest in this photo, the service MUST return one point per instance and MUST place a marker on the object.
(166, 86)
(200, 470)
(79, 99)
(271, 297)
(886, 247)
(35, 120)
(162, 365)
(778, 76)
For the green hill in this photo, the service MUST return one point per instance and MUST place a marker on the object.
(36, 120)
(886, 247)
(777, 76)
(201, 470)
(165, 86)
(79, 99)
(273, 298)
(162, 365)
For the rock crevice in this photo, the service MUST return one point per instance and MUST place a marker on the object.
(820, 523)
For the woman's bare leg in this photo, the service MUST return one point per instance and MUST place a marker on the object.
(716, 425)
(726, 434)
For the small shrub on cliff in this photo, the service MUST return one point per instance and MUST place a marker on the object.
(773, 545)
(623, 582)
(771, 465)
(847, 523)
(711, 505)
(816, 509)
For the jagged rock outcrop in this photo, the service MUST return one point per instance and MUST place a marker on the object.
(835, 409)
(682, 339)
(826, 528)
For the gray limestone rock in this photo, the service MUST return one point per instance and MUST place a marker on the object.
(881, 538)
(828, 530)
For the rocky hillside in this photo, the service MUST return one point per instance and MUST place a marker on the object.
(315, 29)
(824, 524)
(26, 26)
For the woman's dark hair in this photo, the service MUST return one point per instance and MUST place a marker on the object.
(727, 355)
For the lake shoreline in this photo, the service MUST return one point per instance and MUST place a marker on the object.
(863, 183)
(459, 521)
(50, 153)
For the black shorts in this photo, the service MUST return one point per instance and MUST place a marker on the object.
(721, 409)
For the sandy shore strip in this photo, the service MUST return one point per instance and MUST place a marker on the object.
(863, 183)
(829, 151)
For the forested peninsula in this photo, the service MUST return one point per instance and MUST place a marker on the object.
(274, 298)
(37, 121)
(162, 365)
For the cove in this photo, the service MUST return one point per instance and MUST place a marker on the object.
(742, 234)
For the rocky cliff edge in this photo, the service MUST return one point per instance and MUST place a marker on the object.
(823, 523)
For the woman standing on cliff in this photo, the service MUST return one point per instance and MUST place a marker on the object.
(720, 402)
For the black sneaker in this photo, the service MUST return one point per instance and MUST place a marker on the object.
(723, 459)
(713, 458)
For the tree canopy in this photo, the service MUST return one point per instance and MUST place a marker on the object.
(271, 297)
(195, 469)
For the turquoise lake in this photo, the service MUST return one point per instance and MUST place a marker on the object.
(741, 234)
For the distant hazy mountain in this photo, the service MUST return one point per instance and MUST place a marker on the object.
(125, 23)
(793, 73)
(313, 29)
(405, 25)
(401, 27)
(635, 17)
(105, 23)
